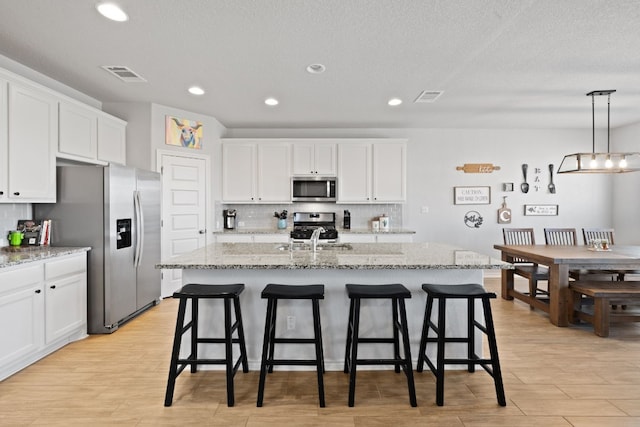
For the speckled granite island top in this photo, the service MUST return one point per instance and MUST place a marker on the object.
(341, 256)
(11, 256)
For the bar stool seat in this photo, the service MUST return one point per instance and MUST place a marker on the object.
(274, 292)
(470, 292)
(195, 292)
(397, 293)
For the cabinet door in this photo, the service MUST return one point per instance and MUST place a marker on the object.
(274, 173)
(21, 313)
(303, 155)
(389, 172)
(78, 133)
(354, 173)
(33, 132)
(4, 147)
(66, 306)
(238, 172)
(325, 159)
(112, 139)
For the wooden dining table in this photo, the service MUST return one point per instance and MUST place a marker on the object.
(560, 260)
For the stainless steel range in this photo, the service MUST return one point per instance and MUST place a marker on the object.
(304, 223)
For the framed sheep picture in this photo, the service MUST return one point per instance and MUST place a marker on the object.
(183, 132)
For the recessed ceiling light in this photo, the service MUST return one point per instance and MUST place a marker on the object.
(316, 68)
(272, 102)
(394, 102)
(195, 90)
(112, 11)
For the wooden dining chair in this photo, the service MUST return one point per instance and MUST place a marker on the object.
(590, 234)
(568, 237)
(560, 236)
(531, 271)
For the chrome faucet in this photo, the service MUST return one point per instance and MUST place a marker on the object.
(315, 236)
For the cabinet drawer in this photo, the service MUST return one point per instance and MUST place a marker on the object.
(76, 264)
(23, 276)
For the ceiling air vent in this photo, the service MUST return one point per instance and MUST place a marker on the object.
(124, 73)
(428, 96)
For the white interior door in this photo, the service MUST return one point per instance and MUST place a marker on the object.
(183, 212)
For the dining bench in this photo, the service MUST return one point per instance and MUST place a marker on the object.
(602, 293)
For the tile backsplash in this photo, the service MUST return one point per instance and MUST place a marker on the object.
(261, 216)
(9, 216)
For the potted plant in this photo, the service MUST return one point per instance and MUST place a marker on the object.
(282, 219)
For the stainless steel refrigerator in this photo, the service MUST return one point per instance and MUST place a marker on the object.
(115, 210)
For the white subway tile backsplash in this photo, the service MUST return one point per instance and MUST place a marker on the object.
(9, 216)
(261, 216)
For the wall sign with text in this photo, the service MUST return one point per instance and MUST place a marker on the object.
(541, 210)
(471, 195)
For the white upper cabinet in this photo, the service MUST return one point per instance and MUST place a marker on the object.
(90, 135)
(372, 172)
(4, 142)
(112, 139)
(78, 127)
(389, 172)
(274, 173)
(354, 172)
(238, 172)
(33, 142)
(256, 172)
(314, 158)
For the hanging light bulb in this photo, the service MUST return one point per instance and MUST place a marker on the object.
(593, 163)
(608, 163)
(623, 162)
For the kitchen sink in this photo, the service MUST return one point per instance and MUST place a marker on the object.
(320, 247)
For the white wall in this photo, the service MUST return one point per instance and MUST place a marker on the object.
(432, 157)
(626, 188)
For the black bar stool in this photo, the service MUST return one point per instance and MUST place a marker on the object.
(273, 293)
(195, 292)
(397, 293)
(470, 292)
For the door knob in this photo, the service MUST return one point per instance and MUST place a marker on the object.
(202, 231)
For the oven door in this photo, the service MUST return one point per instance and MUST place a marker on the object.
(313, 189)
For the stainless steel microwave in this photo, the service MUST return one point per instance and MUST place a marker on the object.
(313, 189)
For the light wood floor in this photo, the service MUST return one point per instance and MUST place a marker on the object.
(553, 377)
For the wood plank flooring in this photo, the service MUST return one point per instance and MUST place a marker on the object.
(553, 377)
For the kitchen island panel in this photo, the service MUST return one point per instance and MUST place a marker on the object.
(375, 316)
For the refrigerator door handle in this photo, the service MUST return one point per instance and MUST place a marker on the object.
(137, 204)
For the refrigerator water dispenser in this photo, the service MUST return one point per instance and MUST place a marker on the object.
(123, 238)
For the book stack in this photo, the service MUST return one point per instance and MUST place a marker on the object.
(36, 233)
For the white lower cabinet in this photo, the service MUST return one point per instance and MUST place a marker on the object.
(253, 238)
(21, 316)
(43, 306)
(65, 297)
(376, 238)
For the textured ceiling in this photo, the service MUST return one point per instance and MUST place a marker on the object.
(500, 63)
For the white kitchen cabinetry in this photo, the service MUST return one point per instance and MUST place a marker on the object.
(372, 172)
(33, 141)
(112, 139)
(21, 317)
(65, 296)
(256, 172)
(317, 158)
(4, 142)
(78, 130)
(90, 135)
(252, 238)
(43, 306)
(376, 238)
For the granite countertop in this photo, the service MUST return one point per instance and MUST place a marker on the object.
(10, 256)
(340, 256)
(288, 230)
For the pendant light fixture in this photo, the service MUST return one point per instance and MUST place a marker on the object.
(600, 162)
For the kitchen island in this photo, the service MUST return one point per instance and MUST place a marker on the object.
(258, 264)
